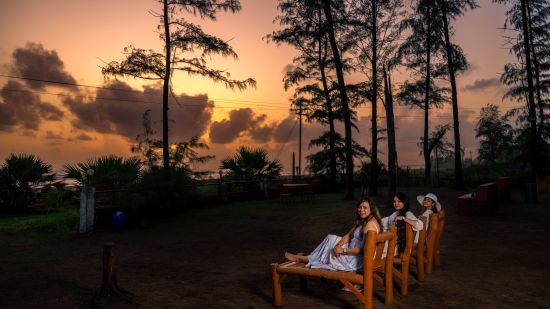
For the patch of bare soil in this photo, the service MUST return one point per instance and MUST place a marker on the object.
(220, 258)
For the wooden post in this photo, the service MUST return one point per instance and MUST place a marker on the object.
(277, 297)
(109, 284)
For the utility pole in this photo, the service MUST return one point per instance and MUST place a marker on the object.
(293, 166)
(300, 144)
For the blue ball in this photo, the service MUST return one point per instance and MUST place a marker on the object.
(118, 219)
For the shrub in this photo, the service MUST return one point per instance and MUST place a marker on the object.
(19, 174)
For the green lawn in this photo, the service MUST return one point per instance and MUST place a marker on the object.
(62, 221)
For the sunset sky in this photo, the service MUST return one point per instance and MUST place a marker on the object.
(69, 41)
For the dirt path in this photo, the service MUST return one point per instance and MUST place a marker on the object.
(220, 258)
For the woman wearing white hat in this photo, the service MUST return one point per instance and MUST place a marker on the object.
(430, 205)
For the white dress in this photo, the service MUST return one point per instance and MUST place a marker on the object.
(324, 258)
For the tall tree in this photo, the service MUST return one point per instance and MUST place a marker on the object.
(450, 10)
(518, 16)
(515, 75)
(437, 143)
(422, 53)
(392, 149)
(181, 39)
(328, 7)
(304, 28)
(375, 33)
(318, 161)
(494, 132)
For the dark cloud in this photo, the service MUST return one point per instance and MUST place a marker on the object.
(34, 61)
(54, 136)
(244, 123)
(83, 137)
(482, 84)
(240, 122)
(23, 108)
(121, 112)
(284, 129)
(262, 134)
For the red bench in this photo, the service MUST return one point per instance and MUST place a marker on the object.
(503, 187)
(484, 201)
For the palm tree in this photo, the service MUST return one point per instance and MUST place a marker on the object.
(18, 175)
(110, 171)
(248, 164)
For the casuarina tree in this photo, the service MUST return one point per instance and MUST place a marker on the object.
(186, 48)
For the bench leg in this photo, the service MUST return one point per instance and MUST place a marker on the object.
(277, 295)
(420, 267)
(405, 279)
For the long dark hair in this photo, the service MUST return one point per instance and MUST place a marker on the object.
(374, 214)
(401, 225)
(405, 200)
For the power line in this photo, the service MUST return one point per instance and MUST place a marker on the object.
(286, 140)
(121, 100)
(267, 103)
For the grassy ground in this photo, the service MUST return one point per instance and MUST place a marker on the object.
(219, 257)
(58, 223)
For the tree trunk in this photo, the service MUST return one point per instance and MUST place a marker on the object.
(373, 185)
(459, 181)
(427, 163)
(392, 168)
(533, 143)
(108, 283)
(166, 84)
(326, 92)
(344, 97)
(536, 67)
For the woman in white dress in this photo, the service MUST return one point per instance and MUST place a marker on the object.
(399, 218)
(346, 252)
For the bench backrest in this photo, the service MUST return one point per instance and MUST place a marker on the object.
(487, 192)
(374, 248)
(422, 237)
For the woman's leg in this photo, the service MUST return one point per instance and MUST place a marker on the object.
(296, 258)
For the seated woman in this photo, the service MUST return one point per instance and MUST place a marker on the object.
(399, 218)
(430, 205)
(344, 253)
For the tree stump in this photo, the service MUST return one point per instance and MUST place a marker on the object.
(109, 284)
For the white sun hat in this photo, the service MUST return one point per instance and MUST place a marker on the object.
(432, 197)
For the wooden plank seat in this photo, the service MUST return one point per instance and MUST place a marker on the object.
(401, 262)
(375, 267)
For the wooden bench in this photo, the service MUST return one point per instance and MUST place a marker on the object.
(484, 201)
(375, 267)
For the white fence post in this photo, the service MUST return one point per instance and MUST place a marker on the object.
(87, 209)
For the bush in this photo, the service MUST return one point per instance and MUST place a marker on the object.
(19, 174)
(155, 198)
